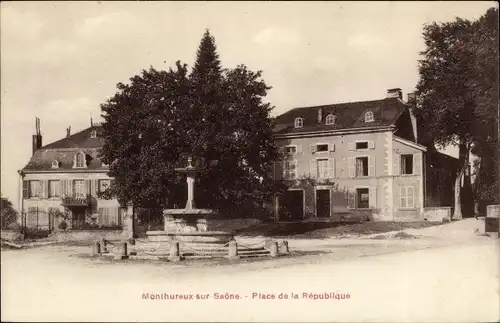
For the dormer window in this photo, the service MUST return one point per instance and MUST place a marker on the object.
(330, 119)
(299, 122)
(369, 117)
(80, 161)
(93, 134)
(55, 164)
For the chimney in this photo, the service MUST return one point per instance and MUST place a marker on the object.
(320, 115)
(395, 93)
(68, 131)
(37, 137)
(411, 98)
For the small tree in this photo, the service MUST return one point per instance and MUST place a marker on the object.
(8, 214)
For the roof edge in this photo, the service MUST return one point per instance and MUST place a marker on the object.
(335, 131)
(409, 143)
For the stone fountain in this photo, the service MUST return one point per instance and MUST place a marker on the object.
(189, 224)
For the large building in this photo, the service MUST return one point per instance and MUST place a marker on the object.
(351, 158)
(67, 176)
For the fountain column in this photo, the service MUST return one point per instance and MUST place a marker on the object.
(190, 197)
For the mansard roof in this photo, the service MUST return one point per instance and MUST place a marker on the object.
(64, 151)
(349, 115)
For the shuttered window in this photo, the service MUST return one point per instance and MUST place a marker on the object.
(54, 189)
(79, 188)
(35, 189)
(407, 197)
(322, 169)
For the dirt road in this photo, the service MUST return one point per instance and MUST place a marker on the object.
(452, 283)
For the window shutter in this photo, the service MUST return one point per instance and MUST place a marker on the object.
(371, 144)
(351, 199)
(417, 165)
(69, 187)
(296, 168)
(396, 164)
(331, 168)
(371, 166)
(412, 202)
(299, 149)
(402, 196)
(93, 185)
(100, 212)
(45, 188)
(26, 189)
(62, 188)
(281, 149)
(312, 148)
(88, 184)
(332, 147)
(314, 168)
(351, 146)
(372, 197)
(286, 166)
(352, 165)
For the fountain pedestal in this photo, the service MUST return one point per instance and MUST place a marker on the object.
(189, 224)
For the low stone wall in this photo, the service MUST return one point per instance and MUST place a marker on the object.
(493, 211)
(437, 214)
(12, 235)
(78, 235)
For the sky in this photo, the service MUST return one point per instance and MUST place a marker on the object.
(61, 60)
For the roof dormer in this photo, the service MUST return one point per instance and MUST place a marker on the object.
(299, 122)
(369, 116)
(55, 164)
(330, 119)
(80, 160)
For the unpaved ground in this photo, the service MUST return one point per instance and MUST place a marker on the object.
(447, 275)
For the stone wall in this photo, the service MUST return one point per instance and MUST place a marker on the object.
(12, 235)
(437, 213)
(78, 235)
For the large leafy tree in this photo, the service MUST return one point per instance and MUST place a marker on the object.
(212, 114)
(453, 93)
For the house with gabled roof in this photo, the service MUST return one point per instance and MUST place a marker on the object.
(66, 177)
(351, 158)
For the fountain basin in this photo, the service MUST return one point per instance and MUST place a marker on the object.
(199, 237)
(200, 212)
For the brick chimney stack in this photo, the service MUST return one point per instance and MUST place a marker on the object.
(68, 131)
(37, 137)
(395, 93)
(320, 115)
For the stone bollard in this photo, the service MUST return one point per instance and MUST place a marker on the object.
(104, 248)
(274, 249)
(233, 250)
(96, 248)
(122, 251)
(286, 249)
(174, 251)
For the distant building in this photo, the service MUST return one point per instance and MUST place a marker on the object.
(67, 176)
(351, 158)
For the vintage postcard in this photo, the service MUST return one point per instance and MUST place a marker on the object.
(252, 161)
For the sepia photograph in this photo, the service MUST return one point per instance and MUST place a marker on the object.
(248, 161)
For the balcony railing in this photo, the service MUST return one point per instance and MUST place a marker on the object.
(76, 200)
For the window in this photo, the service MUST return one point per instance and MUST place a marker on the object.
(79, 188)
(321, 148)
(322, 169)
(330, 119)
(362, 145)
(290, 169)
(407, 164)
(407, 197)
(103, 185)
(290, 150)
(361, 166)
(104, 218)
(35, 189)
(299, 122)
(93, 134)
(363, 198)
(80, 160)
(369, 117)
(55, 164)
(54, 190)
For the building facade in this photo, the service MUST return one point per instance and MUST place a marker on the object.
(61, 184)
(358, 158)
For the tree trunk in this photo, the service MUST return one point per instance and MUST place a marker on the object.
(462, 165)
